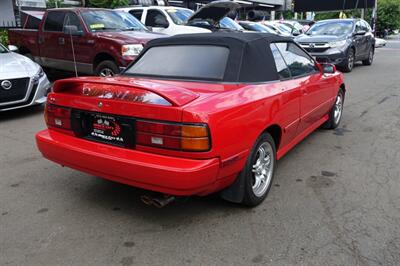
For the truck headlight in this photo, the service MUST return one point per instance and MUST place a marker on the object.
(131, 49)
(337, 44)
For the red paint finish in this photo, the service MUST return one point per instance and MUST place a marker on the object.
(231, 117)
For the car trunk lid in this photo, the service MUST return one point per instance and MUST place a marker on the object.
(214, 12)
(131, 97)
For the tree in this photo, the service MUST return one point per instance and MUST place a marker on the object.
(3, 37)
(54, 3)
(389, 14)
(108, 3)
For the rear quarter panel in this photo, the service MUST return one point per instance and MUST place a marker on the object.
(237, 117)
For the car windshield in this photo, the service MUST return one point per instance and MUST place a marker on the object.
(229, 23)
(336, 28)
(283, 28)
(109, 20)
(179, 16)
(198, 62)
(3, 50)
(292, 24)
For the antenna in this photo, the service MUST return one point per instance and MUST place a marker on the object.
(72, 44)
(73, 53)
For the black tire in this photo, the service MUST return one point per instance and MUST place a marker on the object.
(348, 64)
(250, 198)
(333, 122)
(105, 67)
(370, 59)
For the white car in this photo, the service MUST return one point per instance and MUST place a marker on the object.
(278, 27)
(380, 42)
(165, 19)
(22, 82)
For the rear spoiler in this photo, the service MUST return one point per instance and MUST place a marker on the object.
(114, 86)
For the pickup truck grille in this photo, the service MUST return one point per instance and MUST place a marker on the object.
(17, 91)
(318, 47)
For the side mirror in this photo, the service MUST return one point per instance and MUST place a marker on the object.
(13, 48)
(360, 33)
(161, 23)
(296, 32)
(71, 30)
(328, 68)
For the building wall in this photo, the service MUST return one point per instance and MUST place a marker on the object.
(32, 3)
(7, 18)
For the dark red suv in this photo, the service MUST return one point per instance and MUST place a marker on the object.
(103, 40)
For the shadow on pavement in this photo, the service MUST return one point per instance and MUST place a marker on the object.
(21, 113)
(125, 200)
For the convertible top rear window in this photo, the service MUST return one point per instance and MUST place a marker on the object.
(205, 62)
(218, 56)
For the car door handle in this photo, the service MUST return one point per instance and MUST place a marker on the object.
(61, 40)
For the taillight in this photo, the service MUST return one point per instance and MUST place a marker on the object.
(173, 136)
(58, 117)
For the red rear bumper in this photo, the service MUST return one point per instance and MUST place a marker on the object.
(170, 175)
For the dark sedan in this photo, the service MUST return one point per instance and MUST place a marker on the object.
(340, 41)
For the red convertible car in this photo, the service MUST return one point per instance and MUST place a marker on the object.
(194, 114)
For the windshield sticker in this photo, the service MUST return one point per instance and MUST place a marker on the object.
(171, 10)
(96, 26)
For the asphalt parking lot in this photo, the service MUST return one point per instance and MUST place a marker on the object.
(335, 199)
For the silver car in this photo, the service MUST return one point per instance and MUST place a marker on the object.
(22, 82)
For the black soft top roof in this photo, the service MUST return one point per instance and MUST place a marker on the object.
(250, 57)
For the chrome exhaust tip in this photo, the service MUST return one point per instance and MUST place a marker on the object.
(162, 202)
(158, 202)
(146, 200)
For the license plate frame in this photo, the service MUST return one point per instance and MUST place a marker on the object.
(112, 129)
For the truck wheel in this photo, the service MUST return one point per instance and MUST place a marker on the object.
(106, 68)
(370, 59)
(335, 115)
(349, 62)
(259, 170)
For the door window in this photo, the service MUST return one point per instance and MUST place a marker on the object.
(155, 18)
(359, 26)
(137, 13)
(281, 67)
(54, 21)
(298, 61)
(366, 26)
(71, 19)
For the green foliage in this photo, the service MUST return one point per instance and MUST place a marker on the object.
(4, 37)
(108, 3)
(389, 14)
(285, 14)
(326, 15)
(54, 3)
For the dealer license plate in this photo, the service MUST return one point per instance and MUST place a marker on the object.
(106, 128)
(110, 129)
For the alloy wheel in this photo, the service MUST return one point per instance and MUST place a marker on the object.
(262, 169)
(106, 72)
(371, 56)
(350, 63)
(338, 108)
